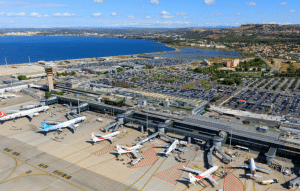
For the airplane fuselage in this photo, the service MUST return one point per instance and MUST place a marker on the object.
(34, 112)
(67, 123)
(252, 166)
(172, 147)
(105, 136)
(207, 173)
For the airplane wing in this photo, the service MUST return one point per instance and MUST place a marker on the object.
(241, 166)
(123, 147)
(15, 111)
(263, 169)
(134, 154)
(192, 170)
(210, 178)
(30, 115)
(72, 126)
(53, 122)
(180, 148)
(98, 135)
(167, 146)
(111, 139)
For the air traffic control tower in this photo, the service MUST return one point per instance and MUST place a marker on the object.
(49, 73)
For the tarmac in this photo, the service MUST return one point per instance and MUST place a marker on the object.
(95, 166)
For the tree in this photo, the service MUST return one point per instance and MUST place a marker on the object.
(272, 61)
(73, 73)
(215, 99)
(120, 69)
(254, 69)
(137, 62)
(21, 77)
(259, 69)
(113, 71)
(207, 106)
(106, 72)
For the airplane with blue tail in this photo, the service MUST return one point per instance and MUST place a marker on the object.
(61, 124)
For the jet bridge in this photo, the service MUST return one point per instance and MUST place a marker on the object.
(225, 158)
(115, 125)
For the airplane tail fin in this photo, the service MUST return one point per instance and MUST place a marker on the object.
(94, 138)
(111, 139)
(119, 149)
(2, 114)
(192, 179)
(45, 125)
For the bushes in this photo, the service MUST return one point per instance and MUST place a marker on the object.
(48, 94)
(215, 99)
(246, 122)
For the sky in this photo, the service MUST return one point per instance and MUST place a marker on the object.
(145, 13)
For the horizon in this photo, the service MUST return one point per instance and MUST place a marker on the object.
(145, 13)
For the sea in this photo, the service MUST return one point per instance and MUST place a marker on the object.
(19, 49)
(51, 48)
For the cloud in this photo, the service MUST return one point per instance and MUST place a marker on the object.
(209, 2)
(114, 14)
(181, 13)
(167, 16)
(131, 17)
(283, 3)
(251, 3)
(238, 14)
(12, 14)
(2, 13)
(35, 14)
(148, 17)
(233, 5)
(98, 1)
(154, 2)
(258, 13)
(97, 15)
(64, 15)
(216, 14)
(164, 13)
(292, 11)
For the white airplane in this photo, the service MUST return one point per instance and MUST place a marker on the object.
(252, 168)
(6, 96)
(171, 147)
(201, 175)
(62, 124)
(30, 106)
(123, 149)
(29, 113)
(99, 137)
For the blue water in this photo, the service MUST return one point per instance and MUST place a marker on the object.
(51, 48)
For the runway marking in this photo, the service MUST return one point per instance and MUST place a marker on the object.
(21, 131)
(80, 160)
(150, 157)
(232, 183)
(35, 146)
(25, 143)
(154, 173)
(172, 174)
(92, 154)
(141, 176)
(40, 170)
(11, 171)
(92, 166)
(253, 184)
(103, 151)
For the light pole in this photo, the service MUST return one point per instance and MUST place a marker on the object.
(29, 59)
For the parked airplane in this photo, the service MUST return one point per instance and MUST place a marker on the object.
(30, 106)
(123, 149)
(99, 137)
(252, 168)
(6, 96)
(62, 124)
(171, 147)
(201, 175)
(29, 113)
